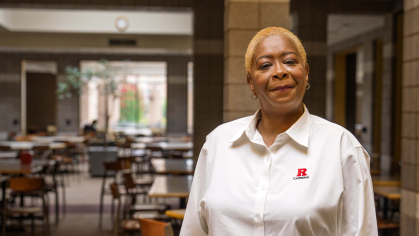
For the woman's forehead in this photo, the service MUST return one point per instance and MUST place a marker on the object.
(274, 44)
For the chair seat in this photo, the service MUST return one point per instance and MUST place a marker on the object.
(23, 210)
(130, 224)
(144, 182)
(148, 208)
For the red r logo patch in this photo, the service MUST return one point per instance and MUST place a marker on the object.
(302, 172)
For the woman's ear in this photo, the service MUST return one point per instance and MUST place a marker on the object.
(250, 81)
(307, 70)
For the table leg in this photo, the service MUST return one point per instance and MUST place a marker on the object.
(3, 200)
(182, 203)
(385, 208)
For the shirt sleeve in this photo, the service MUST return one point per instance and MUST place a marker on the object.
(195, 222)
(357, 208)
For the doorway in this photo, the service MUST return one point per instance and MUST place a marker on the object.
(39, 99)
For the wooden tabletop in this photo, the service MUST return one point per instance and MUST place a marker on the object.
(385, 180)
(14, 167)
(390, 192)
(173, 166)
(150, 139)
(176, 214)
(17, 145)
(165, 145)
(51, 139)
(172, 146)
(171, 186)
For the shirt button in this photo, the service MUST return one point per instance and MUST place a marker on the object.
(264, 187)
(268, 159)
(258, 218)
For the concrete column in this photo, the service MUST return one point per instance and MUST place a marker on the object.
(177, 96)
(310, 25)
(208, 62)
(243, 19)
(410, 110)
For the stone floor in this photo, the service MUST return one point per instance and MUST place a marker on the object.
(82, 218)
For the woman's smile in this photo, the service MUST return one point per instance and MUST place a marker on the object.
(282, 89)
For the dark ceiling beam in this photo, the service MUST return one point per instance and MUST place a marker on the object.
(369, 7)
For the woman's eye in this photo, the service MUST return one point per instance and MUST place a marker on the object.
(264, 65)
(289, 62)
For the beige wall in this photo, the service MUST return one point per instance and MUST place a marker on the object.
(243, 19)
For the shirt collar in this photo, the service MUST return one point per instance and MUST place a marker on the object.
(299, 131)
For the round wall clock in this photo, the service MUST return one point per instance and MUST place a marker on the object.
(121, 23)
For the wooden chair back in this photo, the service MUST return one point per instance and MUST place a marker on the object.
(113, 166)
(155, 228)
(4, 148)
(26, 184)
(126, 162)
(129, 182)
(115, 191)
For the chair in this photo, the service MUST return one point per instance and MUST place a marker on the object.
(25, 186)
(53, 188)
(155, 228)
(126, 225)
(110, 170)
(133, 190)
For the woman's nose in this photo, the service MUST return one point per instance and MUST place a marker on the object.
(280, 72)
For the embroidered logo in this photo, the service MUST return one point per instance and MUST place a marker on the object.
(301, 174)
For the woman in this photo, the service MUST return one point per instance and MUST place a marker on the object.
(281, 171)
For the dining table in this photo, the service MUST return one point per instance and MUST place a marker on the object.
(164, 166)
(165, 146)
(64, 139)
(172, 186)
(15, 167)
(20, 146)
(386, 180)
(176, 213)
(387, 193)
(150, 139)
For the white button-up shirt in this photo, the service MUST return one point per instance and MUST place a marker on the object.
(313, 180)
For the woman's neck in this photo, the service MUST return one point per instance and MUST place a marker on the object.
(272, 124)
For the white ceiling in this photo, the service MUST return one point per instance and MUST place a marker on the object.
(342, 27)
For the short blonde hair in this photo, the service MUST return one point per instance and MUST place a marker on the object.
(268, 32)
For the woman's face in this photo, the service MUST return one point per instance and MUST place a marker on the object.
(278, 75)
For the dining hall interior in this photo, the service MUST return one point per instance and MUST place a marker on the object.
(105, 105)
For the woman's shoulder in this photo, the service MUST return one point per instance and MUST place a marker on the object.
(323, 126)
(229, 129)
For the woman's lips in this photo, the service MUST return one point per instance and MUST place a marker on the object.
(282, 88)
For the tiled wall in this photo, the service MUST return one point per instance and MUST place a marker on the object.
(243, 19)
(208, 69)
(310, 25)
(410, 114)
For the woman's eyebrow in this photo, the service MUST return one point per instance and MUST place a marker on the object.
(271, 56)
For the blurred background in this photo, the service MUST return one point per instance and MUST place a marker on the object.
(125, 91)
